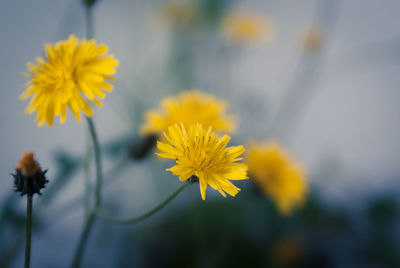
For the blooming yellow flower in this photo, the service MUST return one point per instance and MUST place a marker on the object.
(278, 175)
(243, 27)
(69, 70)
(201, 153)
(189, 107)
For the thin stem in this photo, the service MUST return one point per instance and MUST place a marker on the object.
(86, 168)
(74, 202)
(96, 150)
(147, 214)
(92, 216)
(302, 85)
(89, 22)
(28, 231)
(82, 242)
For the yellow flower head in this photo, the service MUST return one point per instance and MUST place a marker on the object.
(189, 107)
(241, 27)
(278, 175)
(70, 69)
(201, 153)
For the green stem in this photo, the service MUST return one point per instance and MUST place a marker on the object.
(28, 231)
(82, 242)
(92, 216)
(71, 205)
(147, 214)
(89, 22)
(96, 150)
(86, 168)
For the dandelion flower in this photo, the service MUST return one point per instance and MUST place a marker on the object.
(72, 72)
(242, 27)
(201, 153)
(278, 175)
(189, 107)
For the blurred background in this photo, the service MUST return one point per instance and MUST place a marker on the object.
(323, 80)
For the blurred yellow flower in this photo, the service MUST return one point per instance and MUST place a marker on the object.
(201, 153)
(189, 107)
(278, 175)
(69, 69)
(179, 13)
(312, 39)
(243, 27)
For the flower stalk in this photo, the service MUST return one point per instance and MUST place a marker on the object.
(29, 179)
(28, 230)
(82, 242)
(92, 215)
(97, 156)
(147, 214)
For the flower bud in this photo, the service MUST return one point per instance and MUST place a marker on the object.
(29, 178)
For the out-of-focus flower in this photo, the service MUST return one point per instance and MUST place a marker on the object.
(199, 152)
(278, 175)
(29, 177)
(248, 28)
(312, 39)
(180, 13)
(288, 251)
(188, 108)
(70, 69)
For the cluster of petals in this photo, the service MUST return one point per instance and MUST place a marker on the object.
(242, 27)
(199, 152)
(278, 175)
(72, 72)
(189, 107)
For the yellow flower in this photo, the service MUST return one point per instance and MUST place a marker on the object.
(201, 153)
(242, 27)
(189, 107)
(69, 70)
(278, 175)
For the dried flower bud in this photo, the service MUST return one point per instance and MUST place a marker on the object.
(29, 178)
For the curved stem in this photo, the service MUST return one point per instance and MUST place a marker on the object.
(92, 216)
(96, 150)
(75, 201)
(82, 242)
(28, 231)
(301, 87)
(145, 215)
